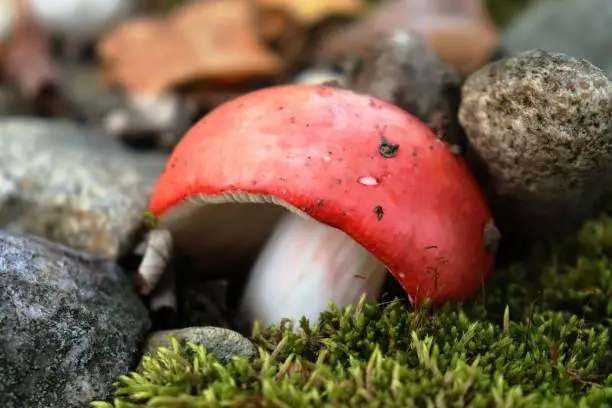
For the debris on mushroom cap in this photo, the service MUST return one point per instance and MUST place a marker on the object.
(213, 40)
(462, 34)
(403, 69)
(539, 127)
(316, 151)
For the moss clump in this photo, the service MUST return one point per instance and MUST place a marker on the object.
(540, 335)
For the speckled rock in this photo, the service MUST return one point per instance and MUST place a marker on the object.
(404, 70)
(69, 325)
(72, 185)
(222, 343)
(540, 131)
(577, 28)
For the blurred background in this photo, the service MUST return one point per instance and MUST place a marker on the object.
(144, 70)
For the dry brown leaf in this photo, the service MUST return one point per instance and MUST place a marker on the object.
(311, 12)
(214, 40)
(460, 31)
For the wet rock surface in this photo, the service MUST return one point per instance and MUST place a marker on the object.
(539, 126)
(222, 343)
(69, 324)
(72, 185)
(577, 28)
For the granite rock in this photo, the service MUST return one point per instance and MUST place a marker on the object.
(70, 324)
(72, 185)
(539, 126)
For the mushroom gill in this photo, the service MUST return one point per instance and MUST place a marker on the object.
(292, 264)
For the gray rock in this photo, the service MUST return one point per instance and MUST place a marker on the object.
(86, 87)
(69, 325)
(72, 185)
(577, 28)
(540, 132)
(222, 343)
(404, 70)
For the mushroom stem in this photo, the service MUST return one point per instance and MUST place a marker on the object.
(303, 266)
(164, 295)
(155, 260)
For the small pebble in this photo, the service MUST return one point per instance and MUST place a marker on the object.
(539, 126)
(222, 343)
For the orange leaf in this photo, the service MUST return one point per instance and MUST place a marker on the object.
(214, 40)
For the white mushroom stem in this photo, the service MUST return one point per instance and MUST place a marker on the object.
(155, 261)
(303, 266)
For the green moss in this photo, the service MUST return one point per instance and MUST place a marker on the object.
(539, 335)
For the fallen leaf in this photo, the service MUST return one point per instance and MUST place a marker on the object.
(311, 12)
(460, 31)
(215, 41)
(26, 61)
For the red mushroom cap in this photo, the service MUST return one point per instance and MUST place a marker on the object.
(350, 161)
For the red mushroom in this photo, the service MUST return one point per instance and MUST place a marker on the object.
(356, 186)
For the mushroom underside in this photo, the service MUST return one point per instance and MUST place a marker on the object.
(291, 264)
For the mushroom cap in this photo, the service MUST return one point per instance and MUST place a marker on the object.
(319, 151)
